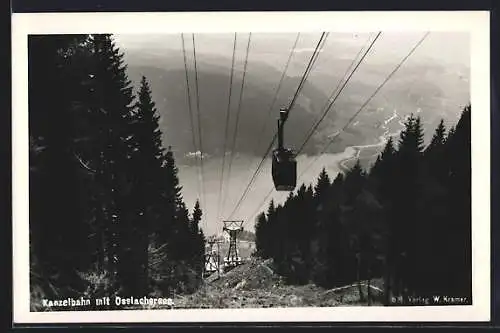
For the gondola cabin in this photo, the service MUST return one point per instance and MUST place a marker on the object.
(284, 164)
(284, 170)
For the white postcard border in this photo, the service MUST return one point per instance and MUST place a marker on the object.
(475, 22)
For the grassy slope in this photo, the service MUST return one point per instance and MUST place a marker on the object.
(254, 285)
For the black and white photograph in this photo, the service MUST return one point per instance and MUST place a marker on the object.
(241, 168)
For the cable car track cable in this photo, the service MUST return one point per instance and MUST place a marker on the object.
(315, 126)
(226, 129)
(278, 88)
(200, 139)
(307, 71)
(235, 132)
(339, 83)
(368, 100)
(259, 167)
(311, 63)
(313, 59)
(190, 108)
(354, 116)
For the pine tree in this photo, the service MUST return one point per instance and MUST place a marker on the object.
(198, 240)
(406, 200)
(277, 236)
(381, 167)
(458, 239)
(171, 198)
(146, 163)
(411, 140)
(434, 153)
(439, 137)
(354, 182)
(195, 221)
(300, 229)
(322, 185)
(175, 229)
(337, 183)
(451, 132)
(262, 234)
(57, 214)
(147, 142)
(271, 210)
(418, 133)
(112, 108)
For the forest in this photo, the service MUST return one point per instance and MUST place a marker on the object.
(406, 220)
(107, 215)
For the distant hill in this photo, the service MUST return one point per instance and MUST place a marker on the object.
(431, 89)
(436, 90)
(168, 86)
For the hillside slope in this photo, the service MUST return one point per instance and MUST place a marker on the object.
(255, 117)
(255, 285)
(428, 88)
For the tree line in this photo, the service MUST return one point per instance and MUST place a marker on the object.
(107, 216)
(246, 235)
(406, 220)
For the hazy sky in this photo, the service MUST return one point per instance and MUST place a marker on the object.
(445, 46)
(273, 49)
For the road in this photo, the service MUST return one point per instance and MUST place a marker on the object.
(355, 151)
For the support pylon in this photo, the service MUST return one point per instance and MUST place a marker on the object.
(233, 228)
(212, 260)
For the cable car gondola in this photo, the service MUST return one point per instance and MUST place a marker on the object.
(284, 164)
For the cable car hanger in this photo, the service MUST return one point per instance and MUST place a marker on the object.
(313, 59)
(284, 164)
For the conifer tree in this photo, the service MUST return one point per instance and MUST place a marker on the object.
(322, 184)
(262, 234)
(337, 183)
(112, 106)
(439, 137)
(58, 228)
(171, 198)
(198, 239)
(146, 163)
(406, 198)
(459, 206)
(383, 173)
(271, 210)
(383, 159)
(180, 238)
(195, 221)
(301, 226)
(354, 182)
